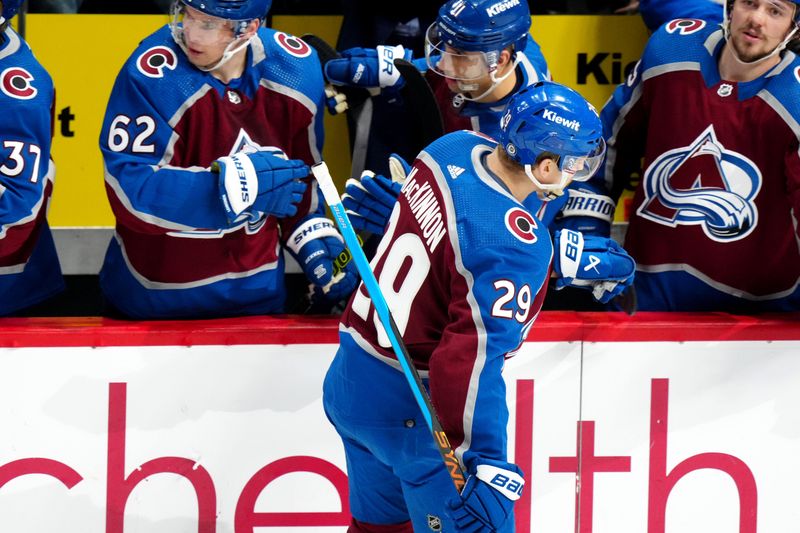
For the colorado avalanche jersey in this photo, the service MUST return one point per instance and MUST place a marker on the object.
(463, 267)
(29, 268)
(460, 114)
(714, 218)
(174, 254)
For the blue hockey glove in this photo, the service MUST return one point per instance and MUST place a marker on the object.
(370, 200)
(398, 168)
(487, 500)
(589, 262)
(315, 244)
(367, 67)
(260, 182)
(586, 211)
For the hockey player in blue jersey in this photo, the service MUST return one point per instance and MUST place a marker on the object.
(467, 265)
(508, 60)
(478, 55)
(29, 268)
(708, 120)
(208, 137)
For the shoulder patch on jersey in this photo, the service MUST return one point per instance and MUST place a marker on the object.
(16, 83)
(155, 60)
(797, 74)
(293, 45)
(521, 224)
(685, 26)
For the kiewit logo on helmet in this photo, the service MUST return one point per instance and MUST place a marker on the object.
(499, 7)
(552, 116)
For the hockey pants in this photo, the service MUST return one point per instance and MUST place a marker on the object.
(394, 471)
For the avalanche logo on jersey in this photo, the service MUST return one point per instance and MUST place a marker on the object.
(16, 83)
(703, 184)
(685, 26)
(296, 47)
(521, 224)
(155, 60)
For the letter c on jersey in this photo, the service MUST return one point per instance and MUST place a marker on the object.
(16, 83)
(293, 45)
(685, 26)
(521, 224)
(154, 60)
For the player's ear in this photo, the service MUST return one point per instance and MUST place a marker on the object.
(252, 27)
(506, 56)
(548, 170)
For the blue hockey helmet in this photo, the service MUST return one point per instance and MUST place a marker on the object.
(465, 42)
(10, 8)
(550, 120)
(483, 25)
(231, 9)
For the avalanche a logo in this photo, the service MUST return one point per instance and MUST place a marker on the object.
(703, 184)
(155, 60)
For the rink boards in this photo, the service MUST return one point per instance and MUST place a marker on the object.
(677, 423)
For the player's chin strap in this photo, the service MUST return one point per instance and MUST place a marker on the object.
(469, 87)
(726, 32)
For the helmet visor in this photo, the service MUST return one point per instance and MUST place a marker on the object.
(581, 168)
(452, 63)
(203, 29)
(572, 168)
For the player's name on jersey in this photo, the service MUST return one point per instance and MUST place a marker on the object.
(425, 207)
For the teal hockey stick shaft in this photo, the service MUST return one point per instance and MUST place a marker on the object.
(323, 177)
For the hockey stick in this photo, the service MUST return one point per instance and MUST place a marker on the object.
(627, 301)
(418, 95)
(323, 176)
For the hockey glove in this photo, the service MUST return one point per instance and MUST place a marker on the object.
(367, 67)
(335, 101)
(251, 184)
(487, 500)
(586, 211)
(589, 262)
(370, 200)
(315, 244)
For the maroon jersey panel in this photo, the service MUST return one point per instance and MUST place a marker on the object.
(684, 212)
